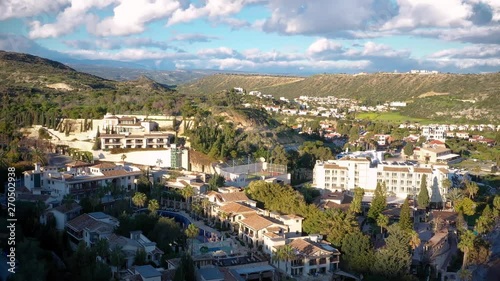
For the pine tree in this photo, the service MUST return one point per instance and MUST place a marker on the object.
(405, 217)
(378, 202)
(423, 195)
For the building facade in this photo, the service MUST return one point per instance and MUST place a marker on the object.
(401, 179)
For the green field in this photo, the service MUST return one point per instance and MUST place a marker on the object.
(394, 117)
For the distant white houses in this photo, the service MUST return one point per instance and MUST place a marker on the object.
(397, 104)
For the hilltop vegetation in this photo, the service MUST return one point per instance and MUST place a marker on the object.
(437, 96)
(32, 86)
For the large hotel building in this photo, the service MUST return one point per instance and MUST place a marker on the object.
(366, 170)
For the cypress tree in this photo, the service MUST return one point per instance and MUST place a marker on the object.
(405, 217)
(378, 202)
(423, 195)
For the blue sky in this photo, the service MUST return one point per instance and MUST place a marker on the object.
(272, 36)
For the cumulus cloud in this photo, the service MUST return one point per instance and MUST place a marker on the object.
(468, 52)
(221, 52)
(213, 9)
(193, 38)
(130, 16)
(430, 13)
(69, 19)
(28, 8)
(322, 46)
(372, 49)
(317, 17)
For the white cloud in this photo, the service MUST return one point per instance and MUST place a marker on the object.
(316, 17)
(475, 51)
(213, 10)
(323, 45)
(28, 8)
(216, 52)
(430, 13)
(193, 37)
(381, 50)
(69, 19)
(130, 16)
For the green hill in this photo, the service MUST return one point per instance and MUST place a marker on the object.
(32, 88)
(436, 96)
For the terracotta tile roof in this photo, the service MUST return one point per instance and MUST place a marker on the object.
(308, 248)
(234, 196)
(76, 164)
(272, 235)
(32, 197)
(236, 208)
(115, 173)
(396, 169)
(257, 222)
(423, 170)
(447, 216)
(104, 165)
(85, 221)
(443, 170)
(333, 205)
(63, 208)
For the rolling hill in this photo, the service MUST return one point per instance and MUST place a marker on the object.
(437, 96)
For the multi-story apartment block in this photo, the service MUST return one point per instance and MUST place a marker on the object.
(435, 132)
(80, 179)
(401, 179)
(127, 140)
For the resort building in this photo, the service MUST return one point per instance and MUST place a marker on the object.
(242, 175)
(401, 178)
(80, 179)
(130, 246)
(90, 228)
(311, 257)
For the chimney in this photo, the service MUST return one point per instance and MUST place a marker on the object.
(37, 167)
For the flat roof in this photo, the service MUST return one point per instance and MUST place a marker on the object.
(211, 273)
(447, 156)
(147, 271)
(254, 269)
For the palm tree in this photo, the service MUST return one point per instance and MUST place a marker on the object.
(187, 192)
(37, 156)
(382, 221)
(153, 206)
(123, 157)
(116, 258)
(159, 162)
(454, 195)
(285, 253)
(471, 188)
(192, 231)
(205, 203)
(465, 245)
(414, 240)
(139, 199)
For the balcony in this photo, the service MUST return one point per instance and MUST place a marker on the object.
(297, 263)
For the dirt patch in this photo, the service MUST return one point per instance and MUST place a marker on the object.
(60, 86)
(432, 94)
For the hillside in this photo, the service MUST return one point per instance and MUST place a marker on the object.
(32, 87)
(469, 96)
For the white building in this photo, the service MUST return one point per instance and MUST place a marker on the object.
(435, 132)
(311, 256)
(242, 175)
(90, 228)
(401, 179)
(80, 179)
(128, 140)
